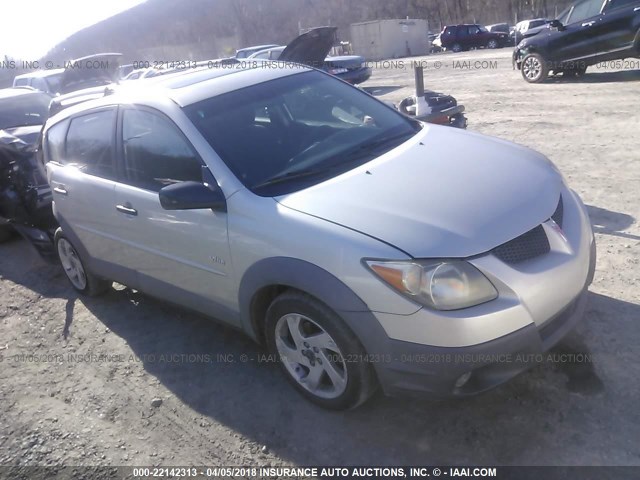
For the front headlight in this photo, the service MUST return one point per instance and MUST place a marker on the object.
(443, 285)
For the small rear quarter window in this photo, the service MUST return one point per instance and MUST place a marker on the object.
(55, 142)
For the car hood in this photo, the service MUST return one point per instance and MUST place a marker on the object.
(92, 71)
(310, 48)
(535, 31)
(444, 193)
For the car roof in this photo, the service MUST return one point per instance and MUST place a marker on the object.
(16, 92)
(261, 47)
(189, 86)
(41, 73)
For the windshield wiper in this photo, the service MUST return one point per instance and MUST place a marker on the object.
(374, 145)
(348, 158)
(285, 177)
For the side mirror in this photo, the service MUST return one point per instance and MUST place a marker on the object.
(556, 24)
(191, 196)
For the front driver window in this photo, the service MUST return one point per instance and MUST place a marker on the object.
(584, 10)
(155, 152)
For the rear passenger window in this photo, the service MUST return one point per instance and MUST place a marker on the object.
(55, 142)
(155, 152)
(90, 143)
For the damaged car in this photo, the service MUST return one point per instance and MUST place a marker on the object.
(85, 79)
(25, 196)
(312, 48)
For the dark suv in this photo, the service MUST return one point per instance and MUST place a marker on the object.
(463, 37)
(586, 33)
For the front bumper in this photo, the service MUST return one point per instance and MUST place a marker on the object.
(413, 369)
(428, 352)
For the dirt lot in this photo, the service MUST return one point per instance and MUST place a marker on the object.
(58, 406)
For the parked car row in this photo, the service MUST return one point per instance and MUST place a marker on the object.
(584, 34)
(458, 38)
(312, 48)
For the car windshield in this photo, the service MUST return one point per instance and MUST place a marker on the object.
(286, 134)
(54, 82)
(564, 14)
(24, 110)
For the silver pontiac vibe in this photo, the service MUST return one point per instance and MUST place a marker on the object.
(363, 248)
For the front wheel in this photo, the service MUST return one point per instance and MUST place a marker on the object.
(534, 68)
(319, 355)
(456, 48)
(492, 44)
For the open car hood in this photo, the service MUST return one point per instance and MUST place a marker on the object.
(310, 48)
(91, 71)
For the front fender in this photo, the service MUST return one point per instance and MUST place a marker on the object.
(298, 274)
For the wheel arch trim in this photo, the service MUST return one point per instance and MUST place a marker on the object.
(280, 273)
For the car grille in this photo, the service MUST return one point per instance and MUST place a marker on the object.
(525, 247)
(529, 245)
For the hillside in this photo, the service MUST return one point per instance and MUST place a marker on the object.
(204, 29)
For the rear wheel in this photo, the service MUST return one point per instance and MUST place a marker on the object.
(534, 68)
(492, 44)
(319, 355)
(81, 279)
(6, 232)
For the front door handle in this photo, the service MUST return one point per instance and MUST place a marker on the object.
(589, 24)
(60, 190)
(637, 9)
(127, 209)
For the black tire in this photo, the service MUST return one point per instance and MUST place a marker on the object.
(361, 381)
(534, 68)
(573, 71)
(92, 286)
(492, 44)
(6, 233)
(456, 48)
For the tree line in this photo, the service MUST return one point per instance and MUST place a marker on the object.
(209, 29)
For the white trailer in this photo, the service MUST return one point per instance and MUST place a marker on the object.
(384, 39)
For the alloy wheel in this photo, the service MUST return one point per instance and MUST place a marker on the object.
(311, 356)
(72, 264)
(532, 68)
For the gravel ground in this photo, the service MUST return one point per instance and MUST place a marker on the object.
(154, 399)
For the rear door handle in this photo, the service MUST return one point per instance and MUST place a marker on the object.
(637, 9)
(61, 190)
(127, 209)
(589, 24)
